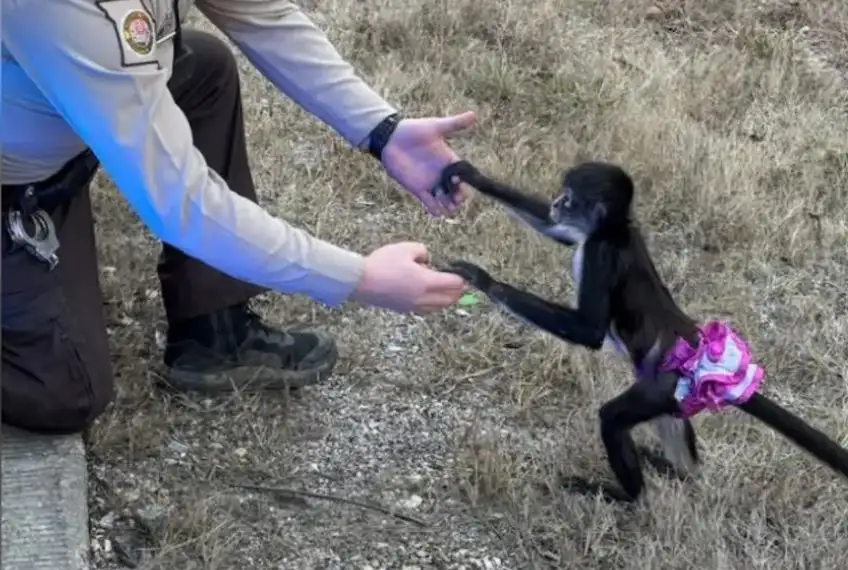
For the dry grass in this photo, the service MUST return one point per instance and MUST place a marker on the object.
(732, 118)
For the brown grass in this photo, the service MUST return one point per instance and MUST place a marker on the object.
(731, 116)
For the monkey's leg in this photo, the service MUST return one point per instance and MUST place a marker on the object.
(640, 403)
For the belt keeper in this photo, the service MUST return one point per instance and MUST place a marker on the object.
(28, 203)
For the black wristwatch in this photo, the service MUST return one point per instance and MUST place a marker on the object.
(379, 137)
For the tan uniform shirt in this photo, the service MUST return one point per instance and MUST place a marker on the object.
(87, 73)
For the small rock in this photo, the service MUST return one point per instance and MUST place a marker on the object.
(151, 515)
(178, 447)
(107, 521)
(412, 503)
(653, 13)
(126, 321)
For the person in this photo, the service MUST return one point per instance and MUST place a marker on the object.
(119, 83)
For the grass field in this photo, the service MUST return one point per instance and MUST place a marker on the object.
(733, 119)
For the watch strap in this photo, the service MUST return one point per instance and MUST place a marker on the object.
(379, 137)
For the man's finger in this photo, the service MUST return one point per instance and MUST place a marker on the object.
(459, 195)
(440, 300)
(444, 282)
(450, 125)
(431, 203)
(418, 251)
(450, 198)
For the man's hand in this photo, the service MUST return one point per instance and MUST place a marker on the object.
(416, 154)
(396, 278)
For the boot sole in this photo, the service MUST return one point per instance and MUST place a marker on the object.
(249, 378)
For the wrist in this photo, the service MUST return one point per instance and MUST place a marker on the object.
(362, 291)
(334, 273)
(379, 137)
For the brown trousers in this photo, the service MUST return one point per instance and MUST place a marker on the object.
(57, 371)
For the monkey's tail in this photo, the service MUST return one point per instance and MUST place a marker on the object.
(791, 426)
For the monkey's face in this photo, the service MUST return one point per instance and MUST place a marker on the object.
(572, 216)
(594, 196)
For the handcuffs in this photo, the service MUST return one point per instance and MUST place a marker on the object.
(28, 221)
(32, 228)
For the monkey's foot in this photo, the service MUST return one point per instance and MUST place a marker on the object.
(659, 462)
(609, 492)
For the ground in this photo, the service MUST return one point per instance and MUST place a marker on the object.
(731, 116)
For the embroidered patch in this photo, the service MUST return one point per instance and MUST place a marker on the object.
(137, 32)
(134, 31)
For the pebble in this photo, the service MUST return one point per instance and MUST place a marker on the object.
(653, 13)
(411, 503)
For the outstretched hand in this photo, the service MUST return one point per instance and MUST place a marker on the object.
(397, 277)
(416, 154)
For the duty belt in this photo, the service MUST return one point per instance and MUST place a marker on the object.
(27, 207)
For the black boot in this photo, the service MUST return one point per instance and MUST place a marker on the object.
(233, 349)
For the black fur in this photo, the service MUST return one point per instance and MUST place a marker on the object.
(620, 295)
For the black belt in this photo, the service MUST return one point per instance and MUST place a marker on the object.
(51, 192)
(27, 208)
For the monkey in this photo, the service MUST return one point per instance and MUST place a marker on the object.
(680, 368)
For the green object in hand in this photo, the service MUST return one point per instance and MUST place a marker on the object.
(468, 300)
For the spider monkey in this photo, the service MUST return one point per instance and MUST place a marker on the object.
(622, 300)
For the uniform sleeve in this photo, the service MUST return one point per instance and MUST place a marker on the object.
(116, 99)
(297, 57)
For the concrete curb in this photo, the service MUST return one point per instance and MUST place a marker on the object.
(44, 502)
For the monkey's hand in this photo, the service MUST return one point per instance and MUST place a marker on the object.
(462, 171)
(474, 275)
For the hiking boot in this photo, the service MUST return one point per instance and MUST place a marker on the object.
(233, 350)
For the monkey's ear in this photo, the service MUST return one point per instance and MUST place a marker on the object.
(599, 212)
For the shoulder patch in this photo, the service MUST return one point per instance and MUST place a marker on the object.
(134, 30)
(137, 32)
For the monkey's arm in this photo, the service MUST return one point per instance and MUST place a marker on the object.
(509, 196)
(532, 211)
(586, 326)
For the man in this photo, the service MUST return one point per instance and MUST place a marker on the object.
(161, 111)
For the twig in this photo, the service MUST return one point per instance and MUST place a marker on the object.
(293, 493)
